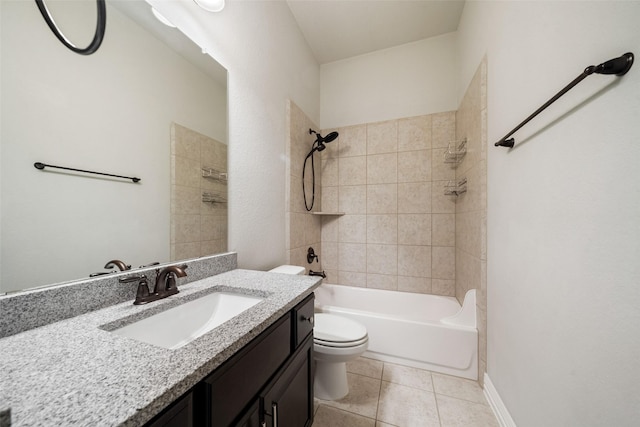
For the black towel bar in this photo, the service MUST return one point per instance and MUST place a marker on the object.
(41, 166)
(618, 66)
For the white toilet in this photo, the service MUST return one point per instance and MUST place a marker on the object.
(336, 340)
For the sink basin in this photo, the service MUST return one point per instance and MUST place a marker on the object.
(180, 325)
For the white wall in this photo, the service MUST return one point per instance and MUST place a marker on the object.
(414, 79)
(563, 209)
(268, 61)
(61, 108)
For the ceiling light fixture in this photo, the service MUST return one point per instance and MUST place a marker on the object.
(210, 5)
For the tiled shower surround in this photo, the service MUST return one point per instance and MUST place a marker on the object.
(398, 227)
(198, 227)
(388, 223)
(471, 207)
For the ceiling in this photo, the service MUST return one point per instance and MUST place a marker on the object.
(339, 29)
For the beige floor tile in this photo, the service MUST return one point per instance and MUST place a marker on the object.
(462, 413)
(460, 388)
(407, 407)
(327, 416)
(367, 367)
(362, 398)
(405, 375)
(381, 424)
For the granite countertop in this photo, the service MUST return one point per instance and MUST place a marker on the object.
(74, 372)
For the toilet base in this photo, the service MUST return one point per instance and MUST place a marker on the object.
(330, 381)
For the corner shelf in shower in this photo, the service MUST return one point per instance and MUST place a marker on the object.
(327, 213)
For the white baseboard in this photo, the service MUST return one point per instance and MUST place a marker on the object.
(496, 403)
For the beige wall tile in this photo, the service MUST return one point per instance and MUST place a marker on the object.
(439, 202)
(382, 137)
(421, 285)
(352, 257)
(382, 229)
(443, 287)
(329, 229)
(414, 229)
(382, 259)
(187, 228)
(439, 169)
(414, 197)
(326, 174)
(382, 281)
(382, 168)
(443, 230)
(352, 199)
(414, 261)
(443, 262)
(352, 229)
(188, 172)
(329, 256)
(185, 200)
(212, 227)
(414, 166)
(184, 142)
(352, 170)
(443, 128)
(329, 199)
(350, 278)
(353, 141)
(414, 133)
(382, 199)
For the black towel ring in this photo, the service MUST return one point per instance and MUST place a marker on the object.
(97, 39)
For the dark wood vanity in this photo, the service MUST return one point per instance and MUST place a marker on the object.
(268, 383)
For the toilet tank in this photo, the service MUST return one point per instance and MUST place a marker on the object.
(289, 269)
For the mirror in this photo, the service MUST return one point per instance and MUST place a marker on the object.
(115, 111)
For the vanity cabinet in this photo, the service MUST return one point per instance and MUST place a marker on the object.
(268, 383)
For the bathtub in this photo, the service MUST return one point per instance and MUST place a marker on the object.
(425, 331)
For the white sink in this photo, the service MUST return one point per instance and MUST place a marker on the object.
(180, 325)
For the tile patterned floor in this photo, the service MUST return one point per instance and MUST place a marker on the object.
(390, 395)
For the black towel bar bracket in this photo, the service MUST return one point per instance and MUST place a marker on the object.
(41, 166)
(618, 66)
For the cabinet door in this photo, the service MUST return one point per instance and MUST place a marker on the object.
(179, 414)
(288, 402)
(233, 386)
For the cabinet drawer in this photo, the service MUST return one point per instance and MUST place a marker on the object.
(236, 382)
(303, 320)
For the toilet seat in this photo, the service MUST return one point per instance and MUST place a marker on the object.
(340, 344)
(336, 331)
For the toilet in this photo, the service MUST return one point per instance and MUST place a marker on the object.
(336, 340)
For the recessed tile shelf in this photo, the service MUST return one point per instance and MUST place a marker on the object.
(327, 213)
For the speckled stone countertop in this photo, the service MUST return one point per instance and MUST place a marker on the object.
(76, 372)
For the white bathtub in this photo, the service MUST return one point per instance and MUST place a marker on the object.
(425, 331)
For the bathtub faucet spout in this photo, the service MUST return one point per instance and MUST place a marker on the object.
(318, 273)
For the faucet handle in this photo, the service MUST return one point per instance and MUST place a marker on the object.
(142, 294)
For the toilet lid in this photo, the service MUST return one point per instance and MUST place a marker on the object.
(337, 329)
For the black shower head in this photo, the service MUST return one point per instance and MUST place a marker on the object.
(320, 140)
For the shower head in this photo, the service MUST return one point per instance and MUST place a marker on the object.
(324, 139)
(321, 140)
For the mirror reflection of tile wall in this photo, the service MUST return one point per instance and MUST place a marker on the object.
(198, 194)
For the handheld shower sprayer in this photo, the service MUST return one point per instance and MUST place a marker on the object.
(317, 145)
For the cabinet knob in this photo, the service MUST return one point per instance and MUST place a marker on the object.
(308, 319)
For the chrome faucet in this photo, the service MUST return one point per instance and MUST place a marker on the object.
(166, 280)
